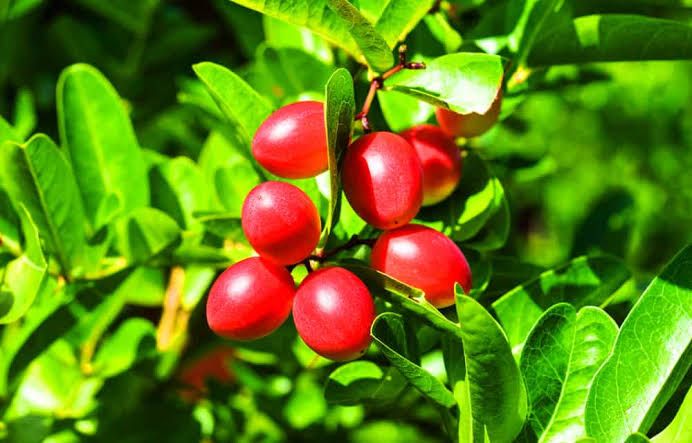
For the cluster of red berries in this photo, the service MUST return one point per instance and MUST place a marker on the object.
(386, 178)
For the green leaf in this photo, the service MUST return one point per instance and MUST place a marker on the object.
(361, 381)
(478, 197)
(391, 338)
(401, 111)
(495, 231)
(681, 427)
(23, 275)
(100, 141)
(637, 438)
(612, 37)
(535, 17)
(7, 132)
(198, 279)
(291, 73)
(497, 394)
(580, 282)
(279, 34)
(24, 114)
(374, 48)
(145, 233)
(650, 357)
(399, 18)
(145, 286)
(314, 15)
(478, 75)
(134, 340)
(42, 180)
(400, 294)
(231, 176)
(179, 189)
(559, 361)
(222, 224)
(340, 107)
(241, 104)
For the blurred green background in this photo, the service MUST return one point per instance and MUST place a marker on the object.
(593, 158)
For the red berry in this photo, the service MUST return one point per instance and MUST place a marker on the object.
(383, 179)
(440, 159)
(469, 125)
(292, 142)
(423, 258)
(280, 222)
(250, 299)
(333, 311)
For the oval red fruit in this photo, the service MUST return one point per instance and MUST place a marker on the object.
(469, 125)
(382, 179)
(250, 299)
(423, 258)
(333, 311)
(440, 158)
(292, 142)
(280, 222)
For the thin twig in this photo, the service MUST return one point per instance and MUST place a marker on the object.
(351, 243)
(169, 316)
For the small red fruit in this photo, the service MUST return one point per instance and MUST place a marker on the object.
(383, 179)
(333, 311)
(250, 299)
(212, 365)
(280, 222)
(292, 142)
(440, 159)
(423, 258)
(469, 125)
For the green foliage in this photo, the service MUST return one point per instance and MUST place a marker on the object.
(111, 236)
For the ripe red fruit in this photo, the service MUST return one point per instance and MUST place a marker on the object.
(423, 258)
(383, 179)
(280, 222)
(333, 311)
(440, 159)
(250, 299)
(213, 364)
(292, 142)
(469, 125)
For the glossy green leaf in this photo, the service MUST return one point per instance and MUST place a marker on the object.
(443, 31)
(390, 335)
(24, 275)
(241, 104)
(41, 179)
(497, 394)
(314, 15)
(222, 224)
(25, 117)
(495, 231)
(340, 107)
(100, 141)
(559, 361)
(398, 18)
(637, 437)
(463, 214)
(681, 427)
(134, 340)
(478, 75)
(145, 233)
(650, 358)
(280, 34)
(285, 71)
(612, 37)
(145, 286)
(179, 189)
(581, 282)
(362, 381)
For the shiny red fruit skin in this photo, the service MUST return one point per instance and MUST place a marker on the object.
(423, 258)
(383, 179)
(250, 299)
(469, 125)
(292, 142)
(280, 222)
(333, 312)
(440, 159)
